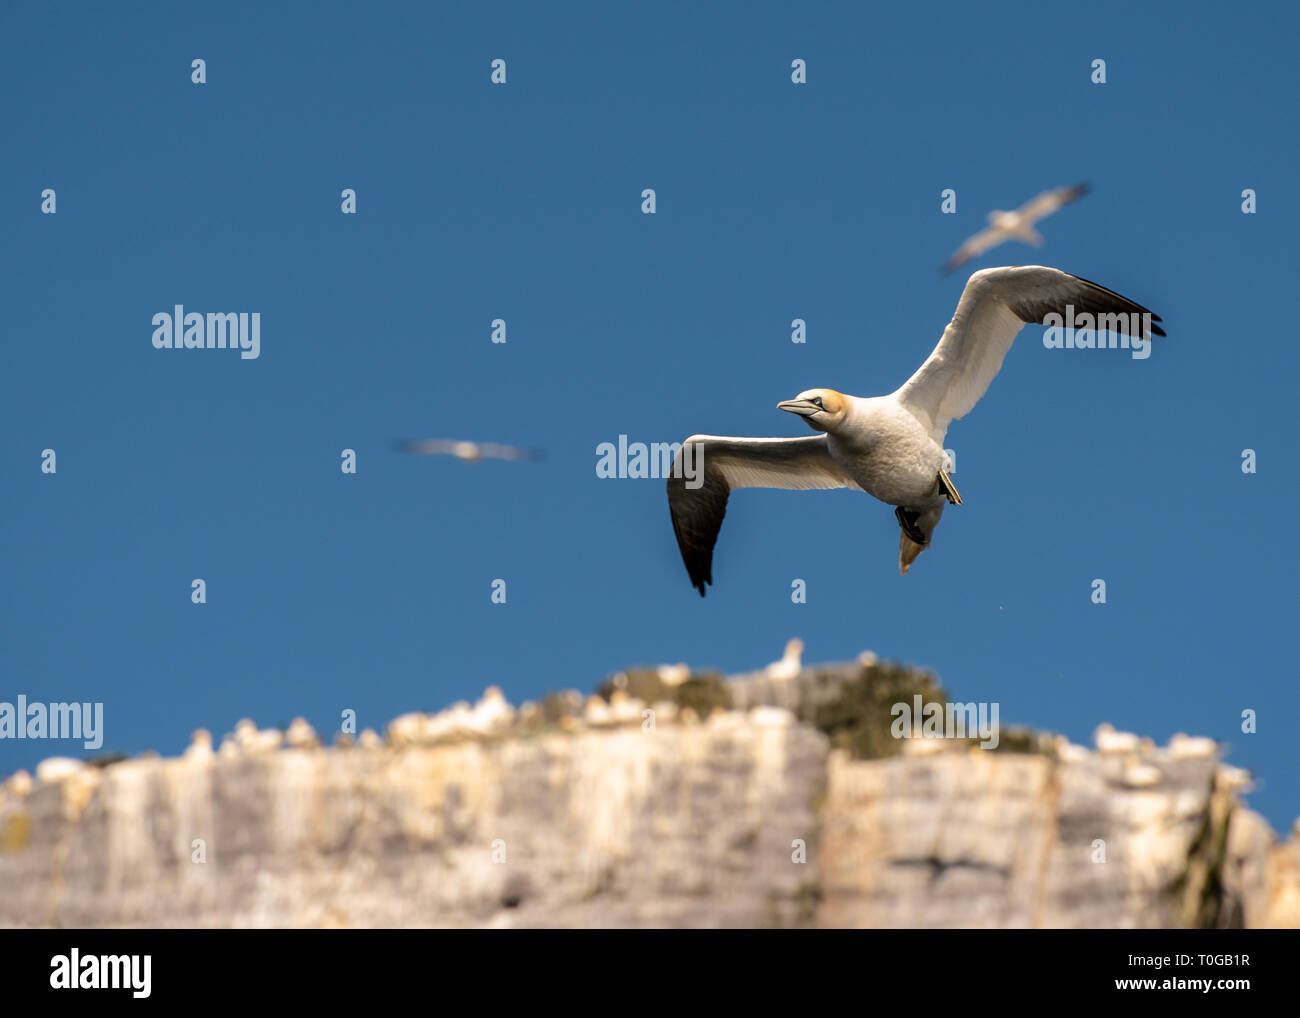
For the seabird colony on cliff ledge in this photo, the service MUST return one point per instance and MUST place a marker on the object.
(891, 446)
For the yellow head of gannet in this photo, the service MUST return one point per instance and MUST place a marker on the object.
(821, 409)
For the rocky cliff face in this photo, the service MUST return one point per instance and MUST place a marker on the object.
(632, 811)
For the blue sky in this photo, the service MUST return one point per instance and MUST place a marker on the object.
(522, 202)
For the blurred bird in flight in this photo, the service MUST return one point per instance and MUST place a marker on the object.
(1017, 225)
(469, 452)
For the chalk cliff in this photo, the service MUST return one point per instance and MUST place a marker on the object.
(671, 800)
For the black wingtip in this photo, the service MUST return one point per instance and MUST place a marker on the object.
(1134, 305)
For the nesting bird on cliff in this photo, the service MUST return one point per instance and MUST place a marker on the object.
(55, 768)
(673, 675)
(1110, 742)
(1185, 747)
(250, 741)
(200, 747)
(301, 735)
(791, 663)
(890, 447)
(624, 708)
(492, 714)
(597, 712)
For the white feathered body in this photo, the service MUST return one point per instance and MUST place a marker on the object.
(888, 452)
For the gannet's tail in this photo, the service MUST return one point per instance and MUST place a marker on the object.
(917, 527)
(907, 552)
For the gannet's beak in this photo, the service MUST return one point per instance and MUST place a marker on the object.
(802, 407)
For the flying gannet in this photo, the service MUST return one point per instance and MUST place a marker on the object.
(1017, 225)
(470, 452)
(890, 446)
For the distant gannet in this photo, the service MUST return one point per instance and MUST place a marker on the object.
(56, 768)
(790, 664)
(891, 446)
(1017, 225)
(492, 714)
(200, 747)
(406, 729)
(1141, 775)
(673, 675)
(625, 708)
(1237, 778)
(249, 740)
(1068, 752)
(301, 735)
(1112, 743)
(1184, 747)
(470, 452)
(596, 712)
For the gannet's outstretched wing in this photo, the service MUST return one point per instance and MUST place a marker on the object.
(995, 305)
(699, 502)
(975, 245)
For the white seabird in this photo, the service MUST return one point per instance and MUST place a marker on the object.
(469, 452)
(55, 768)
(1017, 225)
(1109, 742)
(673, 675)
(301, 735)
(790, 664)
(200, 747)
(890, 446)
